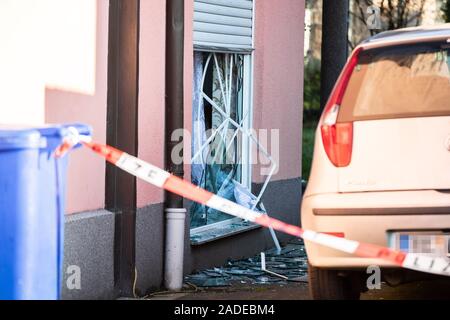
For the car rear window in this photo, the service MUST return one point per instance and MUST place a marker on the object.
(399, 82)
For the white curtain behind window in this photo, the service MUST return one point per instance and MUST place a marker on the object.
(198, 118)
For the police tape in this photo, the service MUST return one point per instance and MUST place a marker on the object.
(163, 179)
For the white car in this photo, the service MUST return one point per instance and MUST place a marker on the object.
(381, 165)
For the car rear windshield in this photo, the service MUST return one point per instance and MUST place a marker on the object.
(399, 82)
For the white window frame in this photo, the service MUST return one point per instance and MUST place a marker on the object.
(247, 140)
(247, 124)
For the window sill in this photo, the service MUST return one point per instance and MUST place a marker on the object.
(220, 230)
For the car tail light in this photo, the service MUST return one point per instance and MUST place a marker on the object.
(337, 137)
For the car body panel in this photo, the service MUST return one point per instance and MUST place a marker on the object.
(409, 35)
(398, 154)
(370, 226)
(398, 178)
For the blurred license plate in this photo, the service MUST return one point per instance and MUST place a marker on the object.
(432, 244)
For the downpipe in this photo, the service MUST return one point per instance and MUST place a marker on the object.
(175, 214)
(174, 249)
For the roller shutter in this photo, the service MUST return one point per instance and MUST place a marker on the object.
(223, 25)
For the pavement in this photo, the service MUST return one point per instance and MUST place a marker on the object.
(244, 280)
(438, 289)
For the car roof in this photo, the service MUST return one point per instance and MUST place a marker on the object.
(410, 35)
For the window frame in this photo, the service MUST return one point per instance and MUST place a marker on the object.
(247, 141)
(246, 152)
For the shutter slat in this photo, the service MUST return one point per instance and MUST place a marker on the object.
(222, 10)
(222, 38)
(220, 47)
(242, 4)
(223, 29)
(218, 19)
(223, 25)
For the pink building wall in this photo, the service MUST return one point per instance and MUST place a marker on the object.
(278, 92)
(278, 80)
(278, 84)
(151, 93)
(45, 44)
(152, 90)
(86, 175)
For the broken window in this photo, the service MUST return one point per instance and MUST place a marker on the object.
(220, 150)
(221, 143)
(222, 116)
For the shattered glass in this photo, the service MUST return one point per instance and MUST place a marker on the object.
(218, 167)
(219, 231)
(291, 262)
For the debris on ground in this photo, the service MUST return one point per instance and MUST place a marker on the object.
(290, 265)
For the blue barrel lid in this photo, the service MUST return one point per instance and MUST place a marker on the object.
(19, 138)
(54, 134)
(44, 137)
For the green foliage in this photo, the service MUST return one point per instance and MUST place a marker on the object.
(309, 129)
(311, 113)
(446, 10)
(312, 89)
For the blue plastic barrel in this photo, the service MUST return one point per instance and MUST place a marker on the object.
(32, 202)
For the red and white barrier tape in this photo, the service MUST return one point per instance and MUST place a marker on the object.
(163, 179)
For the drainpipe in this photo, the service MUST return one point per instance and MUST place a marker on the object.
(175, 213)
